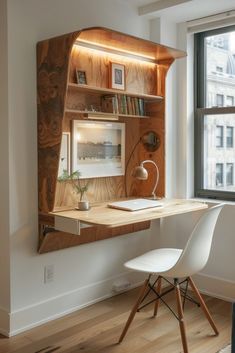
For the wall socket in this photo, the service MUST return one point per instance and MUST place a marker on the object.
(49, 273)
(121, 285)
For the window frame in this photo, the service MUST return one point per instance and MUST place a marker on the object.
(229, 128)
(218, 95)
(221, 137)
(226, 173)
(200, 111)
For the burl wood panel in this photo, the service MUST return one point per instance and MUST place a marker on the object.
(57, 59)
(52, 72)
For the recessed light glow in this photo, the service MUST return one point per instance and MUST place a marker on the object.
(113, 54)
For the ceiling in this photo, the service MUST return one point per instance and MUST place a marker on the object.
(186, 10)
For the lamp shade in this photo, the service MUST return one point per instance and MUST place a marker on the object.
(140, 173)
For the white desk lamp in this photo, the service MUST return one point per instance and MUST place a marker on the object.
(142, 174)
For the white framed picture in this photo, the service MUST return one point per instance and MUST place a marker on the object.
(98, 148)
(117, 76)
(64, 163)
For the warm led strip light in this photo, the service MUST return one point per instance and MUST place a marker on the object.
(110, 50)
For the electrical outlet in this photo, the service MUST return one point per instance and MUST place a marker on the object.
(48, 273)
(121, 285)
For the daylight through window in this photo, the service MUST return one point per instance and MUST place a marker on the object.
(215, 113)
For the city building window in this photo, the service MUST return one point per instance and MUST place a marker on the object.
(219, 136)
(230, 101)
(229, 174)
(219, 69)
(214, 113)
(229, 136)
(219, 100)
(219, 174)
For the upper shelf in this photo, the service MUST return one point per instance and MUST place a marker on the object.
(102, 90)
(127, 44)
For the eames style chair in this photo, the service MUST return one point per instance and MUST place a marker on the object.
(178, 265)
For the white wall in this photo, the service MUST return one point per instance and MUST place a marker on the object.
(165, 32)
(82, 274)
(4, 174)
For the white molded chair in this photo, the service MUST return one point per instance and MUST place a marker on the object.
(179, 265)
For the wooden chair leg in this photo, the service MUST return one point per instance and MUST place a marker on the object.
(158, 290)
(203, 306)
(181, 319)
(134, 309)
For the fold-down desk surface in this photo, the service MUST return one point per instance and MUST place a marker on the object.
(101, 214)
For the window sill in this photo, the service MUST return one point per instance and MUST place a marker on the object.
(213, 201)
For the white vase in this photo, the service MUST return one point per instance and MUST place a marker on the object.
(83, 205)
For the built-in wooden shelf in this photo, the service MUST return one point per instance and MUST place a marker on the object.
(103, 90)
(106, 116)
(61, 100)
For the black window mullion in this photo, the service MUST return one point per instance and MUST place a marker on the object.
(201, 111)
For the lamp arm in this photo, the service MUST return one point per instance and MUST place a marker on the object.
(157, 175)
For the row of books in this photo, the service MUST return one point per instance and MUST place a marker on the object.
(123, 104)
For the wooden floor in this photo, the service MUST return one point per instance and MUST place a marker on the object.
(96, 329)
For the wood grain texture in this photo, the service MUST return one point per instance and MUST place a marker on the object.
(117, 40)
(96, 329)
(101, 214)
(57, 60)
(52, 71)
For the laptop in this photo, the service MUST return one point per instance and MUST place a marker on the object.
(135, 204)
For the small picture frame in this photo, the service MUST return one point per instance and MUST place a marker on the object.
(117, 76)
(81, 77)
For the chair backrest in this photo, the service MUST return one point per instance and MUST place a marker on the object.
(197, 250)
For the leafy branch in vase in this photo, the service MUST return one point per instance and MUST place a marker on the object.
(75, 182)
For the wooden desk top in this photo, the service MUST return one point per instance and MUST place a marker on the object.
(101, 214)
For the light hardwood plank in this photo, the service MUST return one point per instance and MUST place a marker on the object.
(96, 329)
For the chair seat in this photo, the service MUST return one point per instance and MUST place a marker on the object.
(155, 261)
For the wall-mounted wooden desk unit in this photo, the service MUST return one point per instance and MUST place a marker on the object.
(61, 99)
(102, 215)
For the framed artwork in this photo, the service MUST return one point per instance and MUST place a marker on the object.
(98, 148)
(117, 76)
(64, 154)
(81, 77)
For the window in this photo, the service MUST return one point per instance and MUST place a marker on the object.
(214, 113)
(219, 136)
(219, 174)
(219, 100)
(229, 136)
(229, 101)
(229, 174)
(219, 69)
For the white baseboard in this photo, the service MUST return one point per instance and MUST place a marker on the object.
(53, 308)
(216, 287)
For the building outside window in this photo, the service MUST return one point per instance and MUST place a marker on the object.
(229, 174)
(219, 100)
(229, 136)
(229, 101)
(219, 68)
(219, 174)
(215, 113)
(219, 136)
